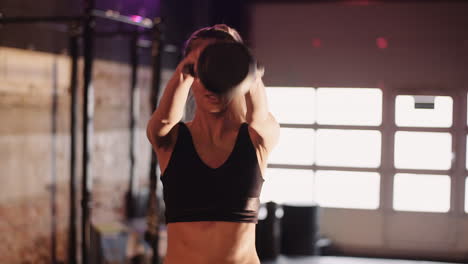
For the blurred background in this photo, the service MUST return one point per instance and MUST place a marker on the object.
(371, 96)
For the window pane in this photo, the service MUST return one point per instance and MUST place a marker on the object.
(351, 148)
(292, 105)
(407, 115)
(466, 195)
(349, 106)
(348, 189)
(467, 114)
(288, 186)
(296, 146)
(421, 193)
(466, 152)
(423, 150)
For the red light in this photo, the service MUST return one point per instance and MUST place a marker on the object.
(316, 43)
(382, 43)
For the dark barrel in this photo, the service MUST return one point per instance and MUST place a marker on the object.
(300, 230)
(268, 231)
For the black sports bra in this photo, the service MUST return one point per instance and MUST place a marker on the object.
(195, 192)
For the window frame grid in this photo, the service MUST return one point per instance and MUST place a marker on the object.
(315, 126)
(458, 172)
(458, 111)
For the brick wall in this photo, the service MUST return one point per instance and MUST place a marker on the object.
(27, 162)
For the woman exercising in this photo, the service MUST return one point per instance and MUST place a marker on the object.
(212, 167)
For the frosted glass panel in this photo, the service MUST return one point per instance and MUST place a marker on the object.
(406, 115)
(295, 146)
(466, 195)
(288, 186)
(292, 105)
(349, 148)
(349, 106)
(423, 150)
(466, 153)
(348, 189)
(421, 193)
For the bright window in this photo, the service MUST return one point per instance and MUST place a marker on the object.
(466, 194)
(288, 186)
(349, 106)
(421, 193)
(295, 146)
(345, 189)
(292, 105)
(349, 148)
(467, 114)
(466, 152)
(423, 150)
(406, 115)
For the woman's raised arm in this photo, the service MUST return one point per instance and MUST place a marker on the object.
(171, 106)
(259, 116)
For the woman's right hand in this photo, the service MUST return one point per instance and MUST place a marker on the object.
(172, 104)
(187, 66)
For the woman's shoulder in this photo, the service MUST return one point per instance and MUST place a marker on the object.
(168, 141)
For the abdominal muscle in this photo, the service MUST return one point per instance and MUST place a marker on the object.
(211, 242)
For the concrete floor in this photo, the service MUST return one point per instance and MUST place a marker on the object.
(344, 260)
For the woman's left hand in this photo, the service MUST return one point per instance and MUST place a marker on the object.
(260, 72)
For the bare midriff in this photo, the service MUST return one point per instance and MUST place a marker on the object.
(211, 242)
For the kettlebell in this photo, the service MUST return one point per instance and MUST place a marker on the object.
(223, 66)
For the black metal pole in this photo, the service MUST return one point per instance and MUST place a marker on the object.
(134, 114)
(44, 19)
(53, 169)
(88, 113)
(72, 235)
(153, 208)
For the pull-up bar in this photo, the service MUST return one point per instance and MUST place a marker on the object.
(112, 15)
(131, 20)
(38, 19)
